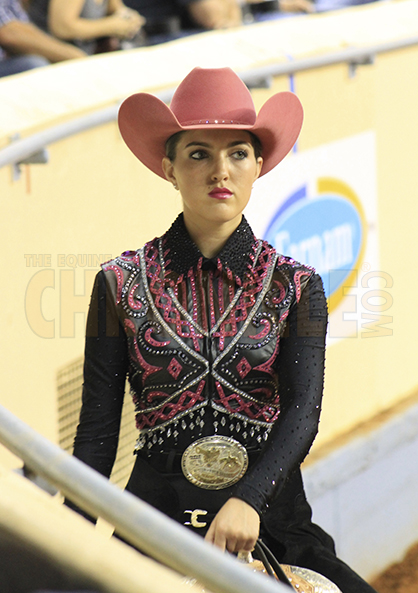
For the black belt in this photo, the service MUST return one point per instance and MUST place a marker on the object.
(170, 462)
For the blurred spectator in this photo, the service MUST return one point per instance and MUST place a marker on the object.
(86, 22)
(170, 19)
(265, 9)
(23, 46)
(215, 14)
(169, 16)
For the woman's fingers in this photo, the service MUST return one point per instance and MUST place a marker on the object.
(213, 536)
(230, 541)
(235, 527)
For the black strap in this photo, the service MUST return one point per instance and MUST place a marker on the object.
(170, 461)
(270, 562)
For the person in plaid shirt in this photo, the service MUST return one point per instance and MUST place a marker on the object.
(23, 46)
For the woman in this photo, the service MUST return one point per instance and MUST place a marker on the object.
(85, 23)
(223, 339)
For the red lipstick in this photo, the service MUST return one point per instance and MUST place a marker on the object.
(221, 193)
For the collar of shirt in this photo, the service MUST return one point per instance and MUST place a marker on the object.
(181, 254)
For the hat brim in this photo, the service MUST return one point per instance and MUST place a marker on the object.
(146, 123)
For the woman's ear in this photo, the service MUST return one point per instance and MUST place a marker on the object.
(168, 170)
(259, 167)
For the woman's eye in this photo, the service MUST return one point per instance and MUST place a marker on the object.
(198, 155)
(240, 154)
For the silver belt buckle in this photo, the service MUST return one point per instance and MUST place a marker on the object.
(214, 462)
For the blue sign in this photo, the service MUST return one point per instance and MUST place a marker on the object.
(325, 232)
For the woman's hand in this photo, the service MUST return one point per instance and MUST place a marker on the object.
(235, 527)
(125, 23)
(65, 22)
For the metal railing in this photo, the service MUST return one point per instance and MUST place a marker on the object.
(19, 150)
(136, 521)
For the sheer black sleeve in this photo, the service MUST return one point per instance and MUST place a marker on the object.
(301, 373)
(105, 369)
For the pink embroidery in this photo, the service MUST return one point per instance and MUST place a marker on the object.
(130, 256)
(187, 400)
(203, 313)
(211, 305)
(243, 367)
(252, 286)
(252, 410)
(230, 284)
(151, 340)
(258, 272)
(264, 392)
(281, 260)
(216, 291)
(298, 275)
(180, 291)
(266, 367)
(170, 313)
(276, 300)
(221, 305)
(174, 368)
(284, 315)
(119, 278)
(152, 395)
(134, 304)
(228, 328)
(194, 295)
(149, 369)
(264, 332)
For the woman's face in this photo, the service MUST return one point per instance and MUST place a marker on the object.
(214, 171)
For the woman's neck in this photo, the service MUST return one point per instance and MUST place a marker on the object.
(210, 238)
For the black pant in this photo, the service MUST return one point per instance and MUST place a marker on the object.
(286, 526)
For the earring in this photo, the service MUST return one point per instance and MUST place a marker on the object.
(175, 186)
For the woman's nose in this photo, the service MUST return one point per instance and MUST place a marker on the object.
(220, 169)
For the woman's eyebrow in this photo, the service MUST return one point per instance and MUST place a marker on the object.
(238, 142)
(196, 143)
(207, 145)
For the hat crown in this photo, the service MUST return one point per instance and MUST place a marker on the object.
(213, 96)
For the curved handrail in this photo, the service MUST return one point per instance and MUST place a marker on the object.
(138, 522)
(19, 150)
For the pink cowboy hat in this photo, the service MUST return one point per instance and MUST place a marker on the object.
(209, 98)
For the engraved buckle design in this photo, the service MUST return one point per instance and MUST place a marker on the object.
(214, 462)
